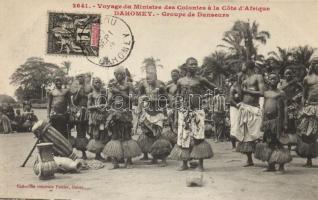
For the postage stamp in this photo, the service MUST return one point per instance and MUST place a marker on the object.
(116, 42)
(73, 34)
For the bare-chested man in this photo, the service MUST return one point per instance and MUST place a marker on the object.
(191, 116)
(235, 99)
(293, 91)
(274, 124)
(119, 121)
(308, 127)
(249, 115)
(96, 105)
(59, 100)
(172, 85)
(172, 113)
(153, 93)
(80, 99)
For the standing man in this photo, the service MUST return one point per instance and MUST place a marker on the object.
(97, 117)
(218, 106)
(235, 99)
(171, 111)
(308, 128)
(293, 92)
(154, 99)
(119, 121)
(59, 100)
(191, 116)
(80, 100)
(249, 114)
(274, 124)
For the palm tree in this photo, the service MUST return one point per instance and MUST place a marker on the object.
(67, 66)
(278, 61)
(219, 65)
(215, 63)
(241, 40)
(150, 65)
(303, 55)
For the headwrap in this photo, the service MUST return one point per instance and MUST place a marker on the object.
(119, 69)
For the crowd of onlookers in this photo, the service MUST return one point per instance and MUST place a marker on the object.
(13, 120)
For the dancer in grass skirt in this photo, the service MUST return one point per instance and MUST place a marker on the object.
(274, 122)
(96, 105)
(308, 128)
(80, 99)
(119, 122)
(251, 87)
(191, 142)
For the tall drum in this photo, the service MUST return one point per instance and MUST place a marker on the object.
(46, 133)
(45, 166)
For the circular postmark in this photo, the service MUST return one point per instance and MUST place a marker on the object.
(115, 42)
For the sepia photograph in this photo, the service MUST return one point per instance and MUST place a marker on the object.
(159, 99)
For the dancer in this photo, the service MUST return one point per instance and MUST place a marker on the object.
(96, 105)
(274, 124)
(235, 99)
(308, 129)
(81, 121)
(191, 143)
(171, 88)
(293, 92)
(154, 99)
(249, 114)
(119, 121)
(218, 106)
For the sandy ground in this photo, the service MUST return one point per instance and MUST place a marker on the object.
(224, 178)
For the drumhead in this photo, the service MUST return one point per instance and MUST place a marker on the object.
(45, 144)
(37, 125)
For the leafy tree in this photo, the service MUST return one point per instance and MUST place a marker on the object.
(6, 99)
(34, 75)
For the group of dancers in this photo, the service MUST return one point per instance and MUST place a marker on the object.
(172, 118)
(268, 114)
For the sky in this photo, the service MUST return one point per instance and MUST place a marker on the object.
(172, 40)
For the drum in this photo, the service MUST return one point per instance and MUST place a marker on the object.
(45, 166)
(46, 133)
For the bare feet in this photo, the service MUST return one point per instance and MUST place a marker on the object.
(129, 166)
(84, 156)
(280, 172)
(269, 170)
(308, 165)
(115, 166)
(100, 158)
(153, 162)
(248, 165)
(193, 164)
(183, 168)
(200, 169)
(163, 163)
(128, 163)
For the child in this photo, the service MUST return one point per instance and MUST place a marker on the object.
(274, 123)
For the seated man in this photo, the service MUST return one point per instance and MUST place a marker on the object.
(5, 123)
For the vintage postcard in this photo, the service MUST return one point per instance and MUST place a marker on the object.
(159, 99)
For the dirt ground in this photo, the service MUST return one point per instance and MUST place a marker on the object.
(224, 178)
